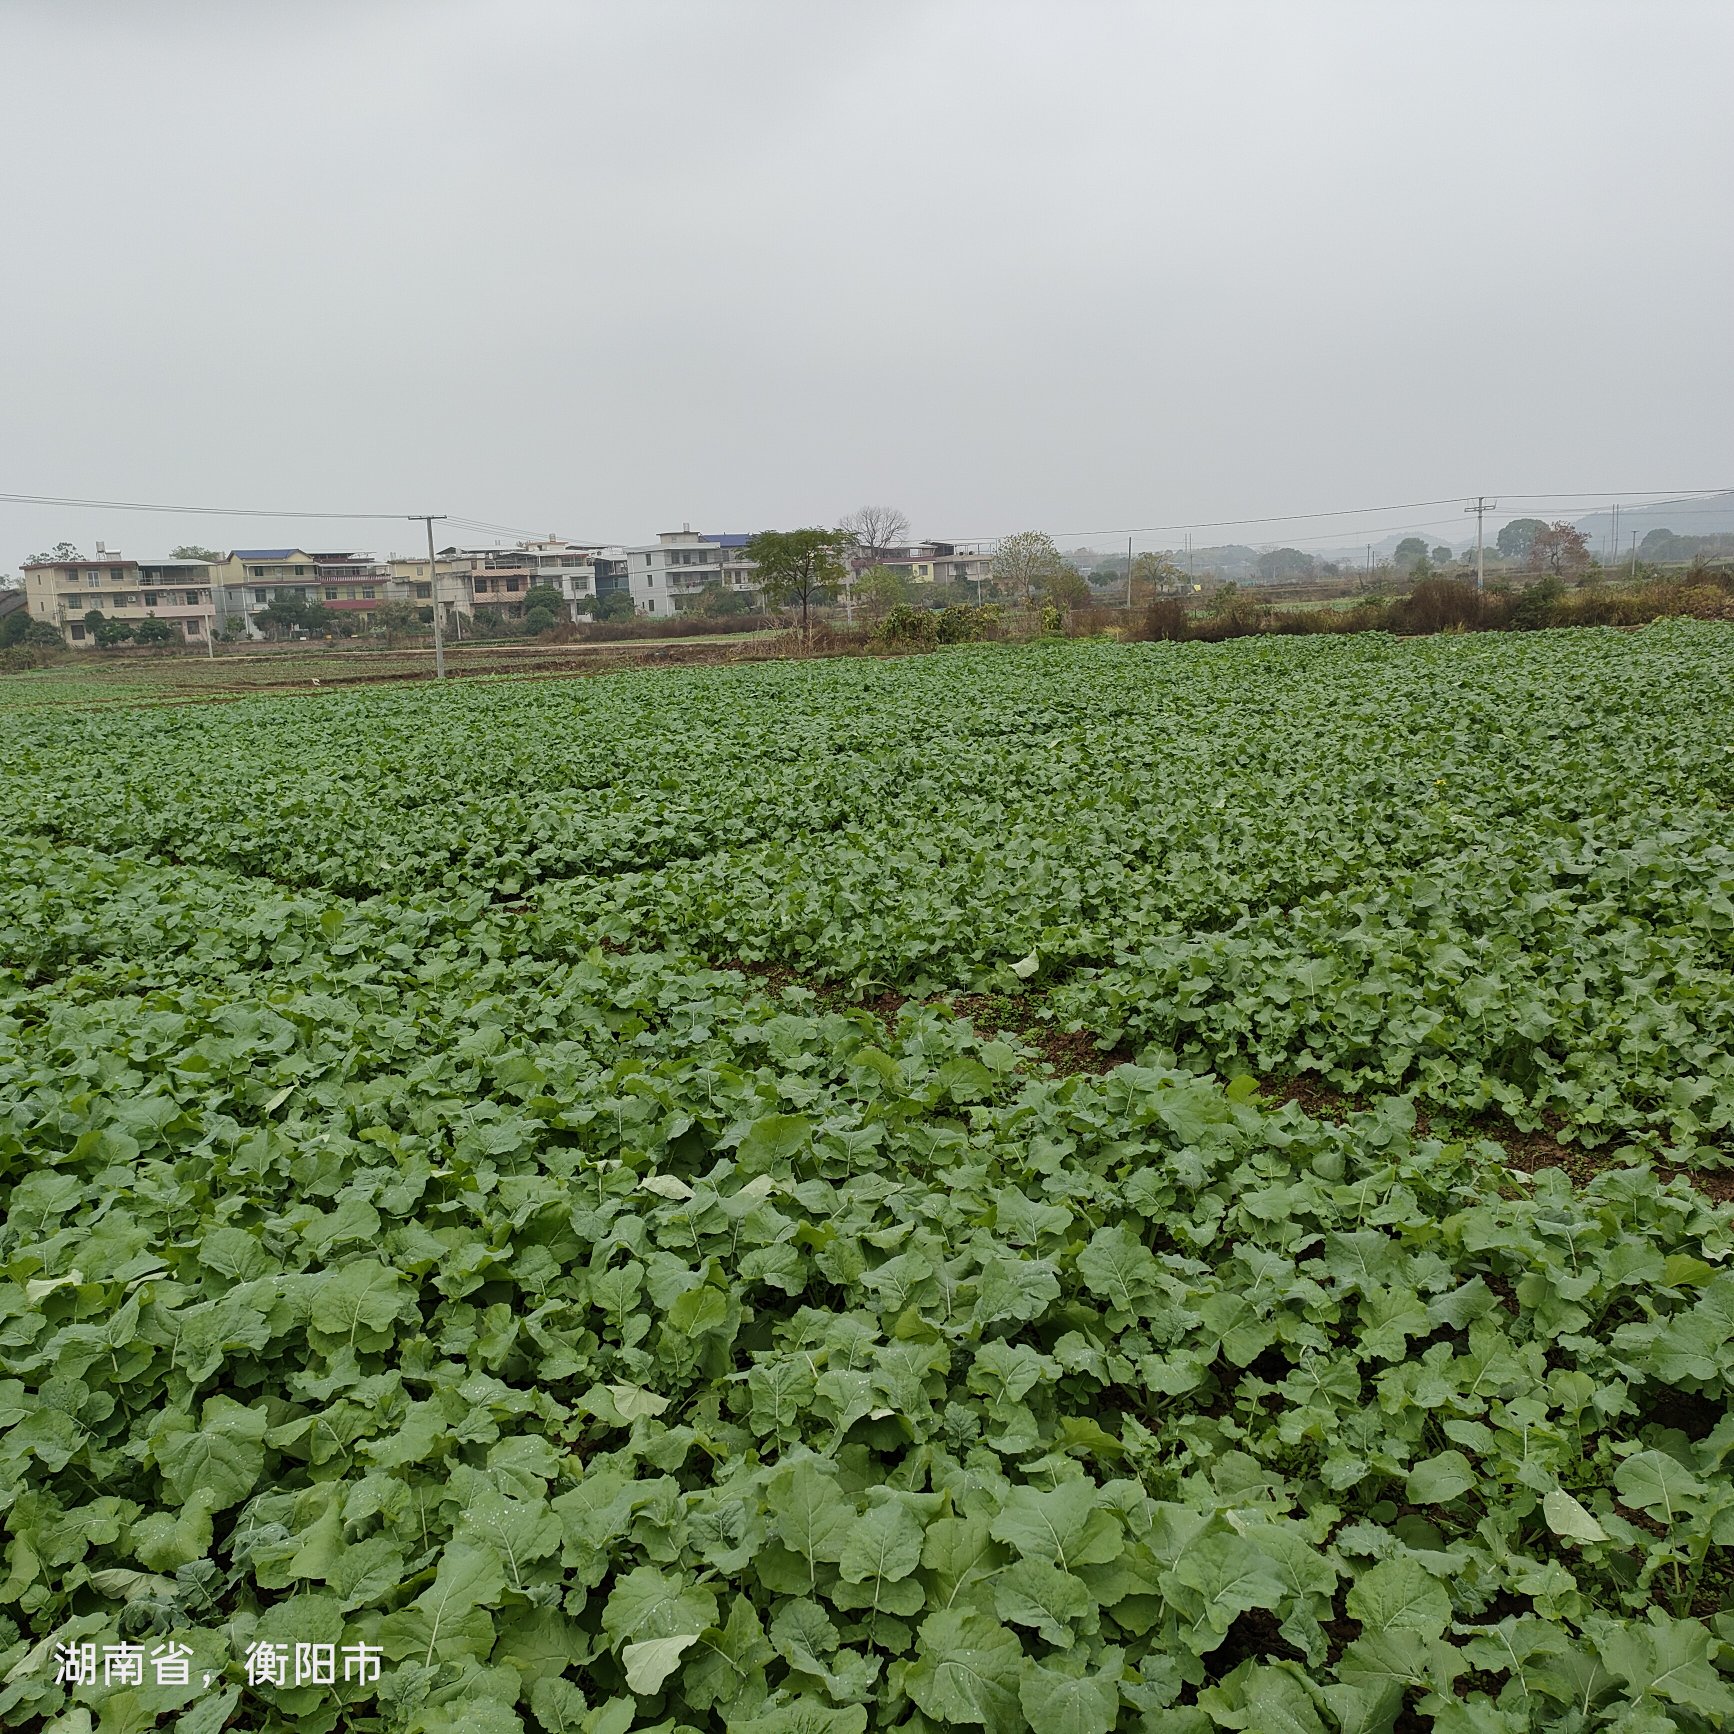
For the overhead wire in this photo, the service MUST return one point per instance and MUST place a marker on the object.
(1636, 498)
(190, 511)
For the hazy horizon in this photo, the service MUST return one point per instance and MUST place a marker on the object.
(603, 270)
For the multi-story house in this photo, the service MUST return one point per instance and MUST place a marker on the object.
(942, 563)
(351, 583)
(571, 568)
(64, 593)
(492, 583)
(409, 582)
(496, 580)
(668, 575)
(251, 579)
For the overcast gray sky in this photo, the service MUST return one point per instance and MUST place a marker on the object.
(1085, 267)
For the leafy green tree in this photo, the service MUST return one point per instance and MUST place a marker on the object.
(611, 605)
(156, 632)
(39, 632)
(1065, 590)
(1442, 555)
(882, 588)
(1026, 563)
(397, 617)
(1155, 575)
(544, 608)
(106, 632)
(1411, 552)
(286, 614)
(61, 554)
(13, 626)
(283, 614)
(716, 601)
(1514, 538)
(192, 551)
(1276, 564)
(801, 566)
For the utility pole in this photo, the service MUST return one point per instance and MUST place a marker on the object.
(1481, 508)
(1128, 574)
(433, 588)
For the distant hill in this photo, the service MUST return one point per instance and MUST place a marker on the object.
(1706, 515)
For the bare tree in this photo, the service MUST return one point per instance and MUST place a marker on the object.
(874, 531)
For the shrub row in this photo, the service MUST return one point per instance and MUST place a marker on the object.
(1449, 605)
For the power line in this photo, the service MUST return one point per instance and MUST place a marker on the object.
(482, 526)
(1365, 511)
(192, 511)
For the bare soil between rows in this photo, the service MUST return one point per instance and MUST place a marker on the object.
(1067, 1053)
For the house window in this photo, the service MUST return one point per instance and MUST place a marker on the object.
(192, 627)
(367, 592)
(647, 559)
(150, 599)
(481, 586)
(261, 596)
(192, 599)
(255, 571)
(330, 592)
(93, 577)
(650, 608)
(513, 585)
(300, 571)
(78, 632)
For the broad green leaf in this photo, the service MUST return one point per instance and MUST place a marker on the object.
(967, 1670)
(1654, 1481)
(220, 1460)
(650, 1662)
(1440, 1479)
(1568, 1519)
(1399, 1595)
(883, 1545)
(647, 1603)
(1062, 1704)
(1033, 1593)
(450, 1617)
(812, 1519)
(1061, 1525)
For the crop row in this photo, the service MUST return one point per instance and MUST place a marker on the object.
(1494, 872)
(616, 1345)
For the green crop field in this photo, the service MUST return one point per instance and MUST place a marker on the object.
(497, 1179)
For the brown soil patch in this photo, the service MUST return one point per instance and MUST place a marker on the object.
(1067, 1051)
(1527, 1151)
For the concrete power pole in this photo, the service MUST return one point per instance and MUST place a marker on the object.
(1481, 508)
(433, 589)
